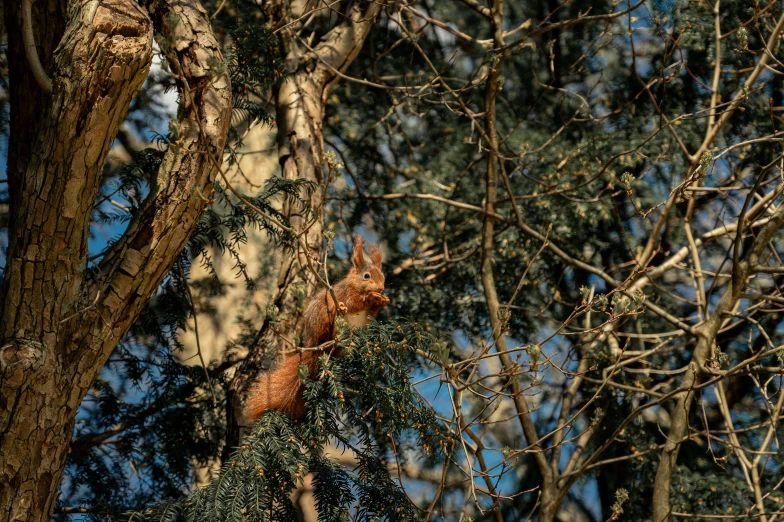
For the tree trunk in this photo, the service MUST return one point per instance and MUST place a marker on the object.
(300, 112)
(59, 318)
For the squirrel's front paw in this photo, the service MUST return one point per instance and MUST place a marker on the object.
(377, 299)
(342, 308)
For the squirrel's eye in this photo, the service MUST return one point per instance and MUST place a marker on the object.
(367, 275)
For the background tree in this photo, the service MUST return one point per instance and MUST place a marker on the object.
(580, 207)
(299, 103)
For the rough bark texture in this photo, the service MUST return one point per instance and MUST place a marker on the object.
(59, 319)
(300, 111)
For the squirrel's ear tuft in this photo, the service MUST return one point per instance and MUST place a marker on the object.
(375, 254)
(357, 258)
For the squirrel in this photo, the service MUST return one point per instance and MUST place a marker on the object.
(360, 296)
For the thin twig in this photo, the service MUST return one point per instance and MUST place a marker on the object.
(31, 51)
(196, 331)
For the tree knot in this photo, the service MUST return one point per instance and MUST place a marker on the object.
(19, 357)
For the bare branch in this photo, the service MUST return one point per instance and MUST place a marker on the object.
(30, 50)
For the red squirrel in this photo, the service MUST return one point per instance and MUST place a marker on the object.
(359, 295)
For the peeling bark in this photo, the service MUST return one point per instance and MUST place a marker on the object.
(59, 320)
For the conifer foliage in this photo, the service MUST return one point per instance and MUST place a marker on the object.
(581, 204)
(363, 402)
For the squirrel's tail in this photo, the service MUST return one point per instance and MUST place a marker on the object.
(281, 388)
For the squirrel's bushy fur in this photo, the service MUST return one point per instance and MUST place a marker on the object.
(359, 295)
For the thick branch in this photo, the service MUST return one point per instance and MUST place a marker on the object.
(342, 44)
(705, 340)
(159, 232)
